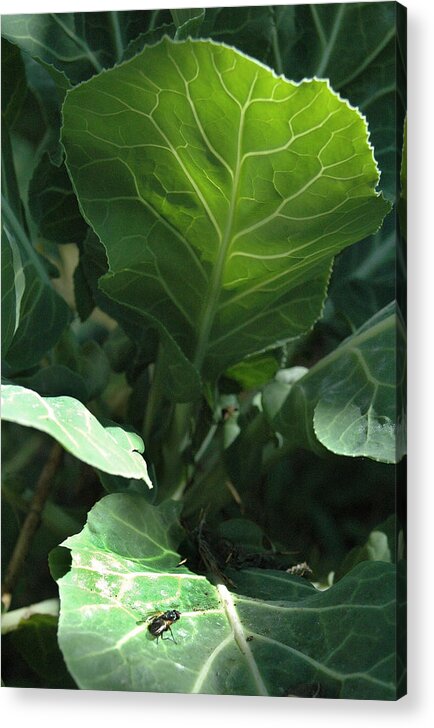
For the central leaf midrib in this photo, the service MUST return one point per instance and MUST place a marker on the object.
(209, 308)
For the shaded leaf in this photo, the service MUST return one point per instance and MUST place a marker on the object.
(108, 448)
(348, 400)
(188, 22)
(53, 204)
(41, 117)
(14, 82)
(43, 314)
(74, 45)
(218, 224)
(83, 377)
(36, 640)
(384, 543)
(55, 380)
(254, 372)
(363, 279)
(273, 633)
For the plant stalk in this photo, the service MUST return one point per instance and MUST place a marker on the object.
(42, 491)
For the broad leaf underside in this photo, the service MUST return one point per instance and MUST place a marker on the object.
(109, 448)
(220, 192)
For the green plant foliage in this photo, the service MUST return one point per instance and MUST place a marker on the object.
(348, 398)
(75, 45)
(223, 199)
(203, 230)
(125, 567)
(108, 448)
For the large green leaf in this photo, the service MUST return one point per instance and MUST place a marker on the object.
(348, 400)
(220, 192)
(274, 635)
(108, 448)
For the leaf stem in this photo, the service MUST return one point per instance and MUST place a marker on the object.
(153, 20)
(175, 477)
(42, 491)
(79, 42)
(214, 289)
(13, 224)
(12, 620)
(239, 636)
(9, 181)
(331, 41)
(154, 399)
(116, 33)
(275, 42)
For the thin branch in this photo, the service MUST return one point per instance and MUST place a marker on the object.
(31, 523)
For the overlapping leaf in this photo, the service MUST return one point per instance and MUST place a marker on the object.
(274, 635)
(348, 400)
(108, 448)
(42, 314)
(220, 192)
(75, 45)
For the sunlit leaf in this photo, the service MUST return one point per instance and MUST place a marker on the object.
(108, 448)
(269, 636)
(220, 193)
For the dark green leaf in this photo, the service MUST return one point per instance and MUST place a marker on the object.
(384, 543)
(53, 204)
(55, 380)
(75, 45)
(14, 82)
(363, 279)
(36, 640)
(42, 314)
(348, 399)
(188, 22)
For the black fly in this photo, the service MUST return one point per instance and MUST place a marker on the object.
(162, 622)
